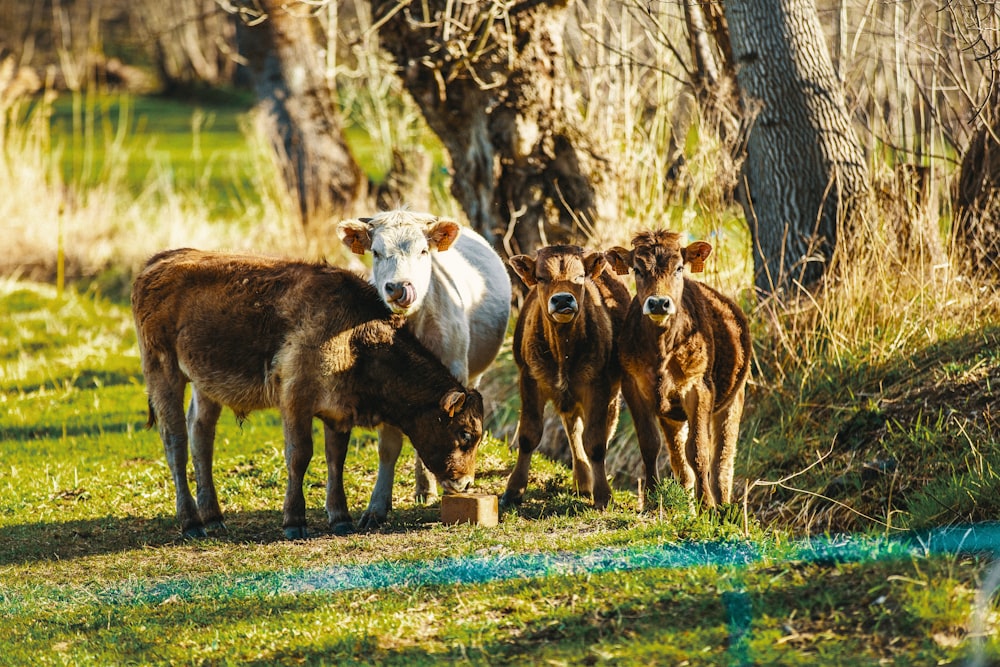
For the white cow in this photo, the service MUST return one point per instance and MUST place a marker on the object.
(455, 292)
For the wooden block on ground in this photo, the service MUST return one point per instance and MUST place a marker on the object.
(479, 508)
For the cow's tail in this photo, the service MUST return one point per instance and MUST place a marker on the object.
(151, 418)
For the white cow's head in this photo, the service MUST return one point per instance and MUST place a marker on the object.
(401, 244)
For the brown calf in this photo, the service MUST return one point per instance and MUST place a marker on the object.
(564, 347)
(309, 339)
(685, 352)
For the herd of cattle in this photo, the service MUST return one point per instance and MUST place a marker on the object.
(405, 352)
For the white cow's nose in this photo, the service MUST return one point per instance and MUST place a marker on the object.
(401, 294)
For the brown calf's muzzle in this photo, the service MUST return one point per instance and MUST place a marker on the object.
(563, 307)
(659, 308)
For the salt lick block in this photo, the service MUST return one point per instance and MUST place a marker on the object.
(481, 509)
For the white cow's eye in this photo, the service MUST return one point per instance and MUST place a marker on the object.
(376, 254)
(425, 251)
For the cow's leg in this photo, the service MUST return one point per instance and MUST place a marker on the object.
(527, 436)
(166, 400)
(203, 415)
(425, 491)
(602, 416)
(336, 499)
(647, 431)
(727, 429)
(701, 455)
(676, 436)
(583, 473)
(298, 453)
(390, 442)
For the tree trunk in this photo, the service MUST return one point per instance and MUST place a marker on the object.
(976, 227)
(298, 111)
(193, 41)
(805, 176)
(490, 81)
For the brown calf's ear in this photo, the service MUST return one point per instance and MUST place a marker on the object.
(354, 234)
(594, 264)
(442, 234)
(524, 267)
(620, 259)
(696, 254)
(453, 402)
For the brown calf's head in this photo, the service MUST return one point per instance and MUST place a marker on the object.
(558, 274)
(657, 259)
(446, 439)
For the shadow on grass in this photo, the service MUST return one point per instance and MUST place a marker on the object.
(85, 380)
(68, 430)
(52, 541)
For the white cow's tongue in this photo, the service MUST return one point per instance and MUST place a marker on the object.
(409, 296)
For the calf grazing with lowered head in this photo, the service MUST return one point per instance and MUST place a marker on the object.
(685, 352)
(564, 347)
(453, 290)
(313, 341)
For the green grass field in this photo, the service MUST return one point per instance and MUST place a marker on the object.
(158, 143)
(92, 570)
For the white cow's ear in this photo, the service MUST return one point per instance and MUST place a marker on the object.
(354, 234)
(696, 254)
(524, 267)
(442, 234)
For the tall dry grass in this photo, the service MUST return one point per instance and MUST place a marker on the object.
(60, 231)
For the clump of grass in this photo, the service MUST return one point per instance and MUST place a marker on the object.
(844, 376)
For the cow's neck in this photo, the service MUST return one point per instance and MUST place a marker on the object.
(400, 397)
(669, 336)
(563, 338)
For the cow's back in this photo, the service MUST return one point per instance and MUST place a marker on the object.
(471, 270)
(223, 319)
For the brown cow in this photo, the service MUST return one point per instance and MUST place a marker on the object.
(564, 347)
(685, 352)
(309, 339)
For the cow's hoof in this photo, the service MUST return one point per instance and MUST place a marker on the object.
(342, 528)
(296, 533)
(195, 533)
(370, 521)
(510, 500)
(216, 528)
(426, 499)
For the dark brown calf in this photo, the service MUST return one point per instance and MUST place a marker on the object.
(311, 340)
(685, 352)
(564, 347)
